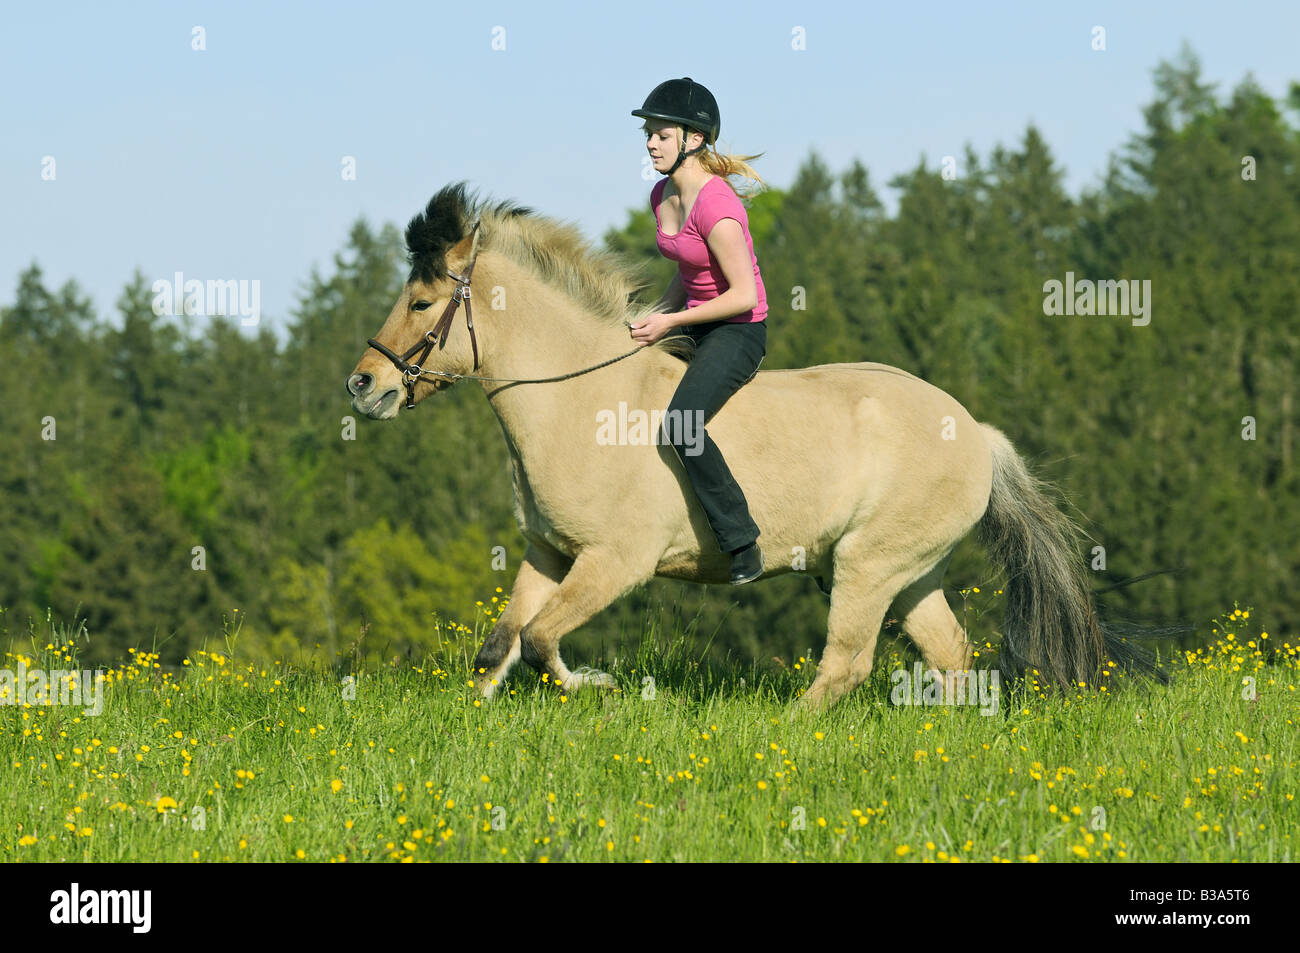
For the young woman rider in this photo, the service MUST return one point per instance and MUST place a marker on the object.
(702, 225)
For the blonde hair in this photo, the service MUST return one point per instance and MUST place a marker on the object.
(722, 164)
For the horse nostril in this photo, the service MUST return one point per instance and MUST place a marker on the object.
(358, 384)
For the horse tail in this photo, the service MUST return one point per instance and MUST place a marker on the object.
(1050, 623)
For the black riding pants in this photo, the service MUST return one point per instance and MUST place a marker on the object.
(727, 355)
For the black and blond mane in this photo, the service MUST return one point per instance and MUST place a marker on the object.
(601, 281)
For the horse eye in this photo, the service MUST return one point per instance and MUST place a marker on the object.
(421, 306)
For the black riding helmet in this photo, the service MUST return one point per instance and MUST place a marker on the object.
(687, 102)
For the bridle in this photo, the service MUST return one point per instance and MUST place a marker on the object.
(412, 372)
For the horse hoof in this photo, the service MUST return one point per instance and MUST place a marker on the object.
(589, 678)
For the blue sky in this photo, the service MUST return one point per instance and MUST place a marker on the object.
(225, 163)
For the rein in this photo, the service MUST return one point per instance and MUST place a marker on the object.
(413, 372)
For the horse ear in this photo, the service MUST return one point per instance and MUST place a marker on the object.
(458, 255)
(463, 252)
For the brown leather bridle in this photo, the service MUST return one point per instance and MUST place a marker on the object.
(412, 371)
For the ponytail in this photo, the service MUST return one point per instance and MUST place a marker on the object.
(725, 164)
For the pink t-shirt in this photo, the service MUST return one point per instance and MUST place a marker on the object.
(702, 277)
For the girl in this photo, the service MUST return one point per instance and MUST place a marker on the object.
(702, 225)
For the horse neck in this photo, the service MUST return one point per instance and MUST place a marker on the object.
(544, 333)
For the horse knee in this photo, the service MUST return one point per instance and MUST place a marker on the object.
(533, 650)
(496, 648)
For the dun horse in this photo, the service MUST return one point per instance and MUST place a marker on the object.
(860, 474)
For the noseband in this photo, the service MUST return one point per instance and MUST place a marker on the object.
(411, 371)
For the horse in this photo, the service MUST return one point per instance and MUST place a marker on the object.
(861, 474)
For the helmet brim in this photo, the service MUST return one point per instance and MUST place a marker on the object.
(646, 114)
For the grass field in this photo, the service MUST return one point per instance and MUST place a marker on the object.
(223, 760)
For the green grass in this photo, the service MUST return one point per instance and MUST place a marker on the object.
(714, 767)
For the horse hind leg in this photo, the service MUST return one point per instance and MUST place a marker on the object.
(863, 589)
(937, 633)
(929, 622)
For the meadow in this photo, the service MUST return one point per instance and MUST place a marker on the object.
(230, 759)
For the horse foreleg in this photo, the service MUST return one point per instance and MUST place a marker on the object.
(596, 579)
(538, 578)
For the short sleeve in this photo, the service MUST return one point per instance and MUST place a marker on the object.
(717, 204)
(656, 196)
